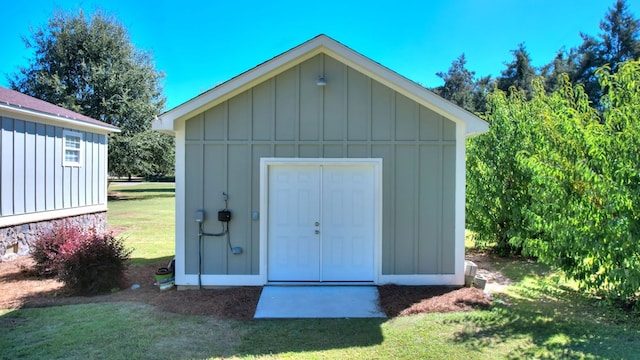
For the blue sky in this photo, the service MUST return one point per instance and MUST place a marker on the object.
(199, 44)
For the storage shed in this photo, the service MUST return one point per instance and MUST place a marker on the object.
(53, 167)
(329, 168)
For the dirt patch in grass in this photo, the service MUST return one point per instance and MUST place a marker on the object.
(20, 288)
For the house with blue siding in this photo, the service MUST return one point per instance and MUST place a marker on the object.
(53, 168)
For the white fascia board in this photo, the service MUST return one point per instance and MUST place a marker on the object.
(27, 114)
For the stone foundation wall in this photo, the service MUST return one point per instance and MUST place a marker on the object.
(18, 240)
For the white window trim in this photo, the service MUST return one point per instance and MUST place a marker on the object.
(66, 133)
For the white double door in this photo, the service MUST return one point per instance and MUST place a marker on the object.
(321, 223)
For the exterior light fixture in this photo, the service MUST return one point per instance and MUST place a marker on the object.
(321, 81)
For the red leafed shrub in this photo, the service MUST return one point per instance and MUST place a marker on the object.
(87, 262)
(46, 250)
(93, 264)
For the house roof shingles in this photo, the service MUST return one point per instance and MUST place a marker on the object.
(17, 100)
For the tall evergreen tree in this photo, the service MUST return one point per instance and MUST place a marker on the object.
(519, 72)
(461, 88)
(617, 42)
(88, 64)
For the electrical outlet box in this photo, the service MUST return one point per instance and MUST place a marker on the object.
(224, 215)
(200, 216)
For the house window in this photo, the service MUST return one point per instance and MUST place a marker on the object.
(72, 148)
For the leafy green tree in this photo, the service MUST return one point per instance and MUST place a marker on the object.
(497, 184)
(559, 179)
(88, 64)
(586, 184)
(519, 72)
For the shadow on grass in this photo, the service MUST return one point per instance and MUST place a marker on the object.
(558, 321)
(140, 193)
(286, 336)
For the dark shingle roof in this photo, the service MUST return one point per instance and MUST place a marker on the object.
(19, 100)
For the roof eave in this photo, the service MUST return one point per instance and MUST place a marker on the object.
(63, 121)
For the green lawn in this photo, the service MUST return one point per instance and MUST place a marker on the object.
(540, 316)
(145, 211)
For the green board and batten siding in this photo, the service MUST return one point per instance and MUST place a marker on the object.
(353, 116)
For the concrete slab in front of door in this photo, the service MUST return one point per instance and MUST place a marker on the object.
(319, 302)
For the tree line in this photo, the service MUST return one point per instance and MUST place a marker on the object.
(616, 43)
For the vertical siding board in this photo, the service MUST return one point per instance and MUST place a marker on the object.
(82, 171)
(310, 99)
(239, 123)
(88, 166)
(239, 188)
(430, 125)
(358, 151)
(6, 180)
(213, 182)
(194, 128)
(405, 237)
(19, 167)
(448, 130)
(50, 152)
(286, 108)
(30, 167)
(263, 114)
(448, 210)
(333, 151)
(335, 107)
(96, 170)
(359, 106)
(429, 199)
(102, 162)
(259, 151)
(309, 151)
(407, 118)
(385, 152)
(58, 169)
(41, 167)
(285, 150)
(215, 123)
(193, 201)
(382, 112)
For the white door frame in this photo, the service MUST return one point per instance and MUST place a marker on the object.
(265, 163)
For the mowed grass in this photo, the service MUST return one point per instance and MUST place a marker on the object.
(144, 212)
(540, 316)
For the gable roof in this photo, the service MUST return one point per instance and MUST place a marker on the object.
(17, 102)
(325, 45)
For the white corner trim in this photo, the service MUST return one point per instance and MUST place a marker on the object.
(460, 202)
(180, 246)
(50, 215)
